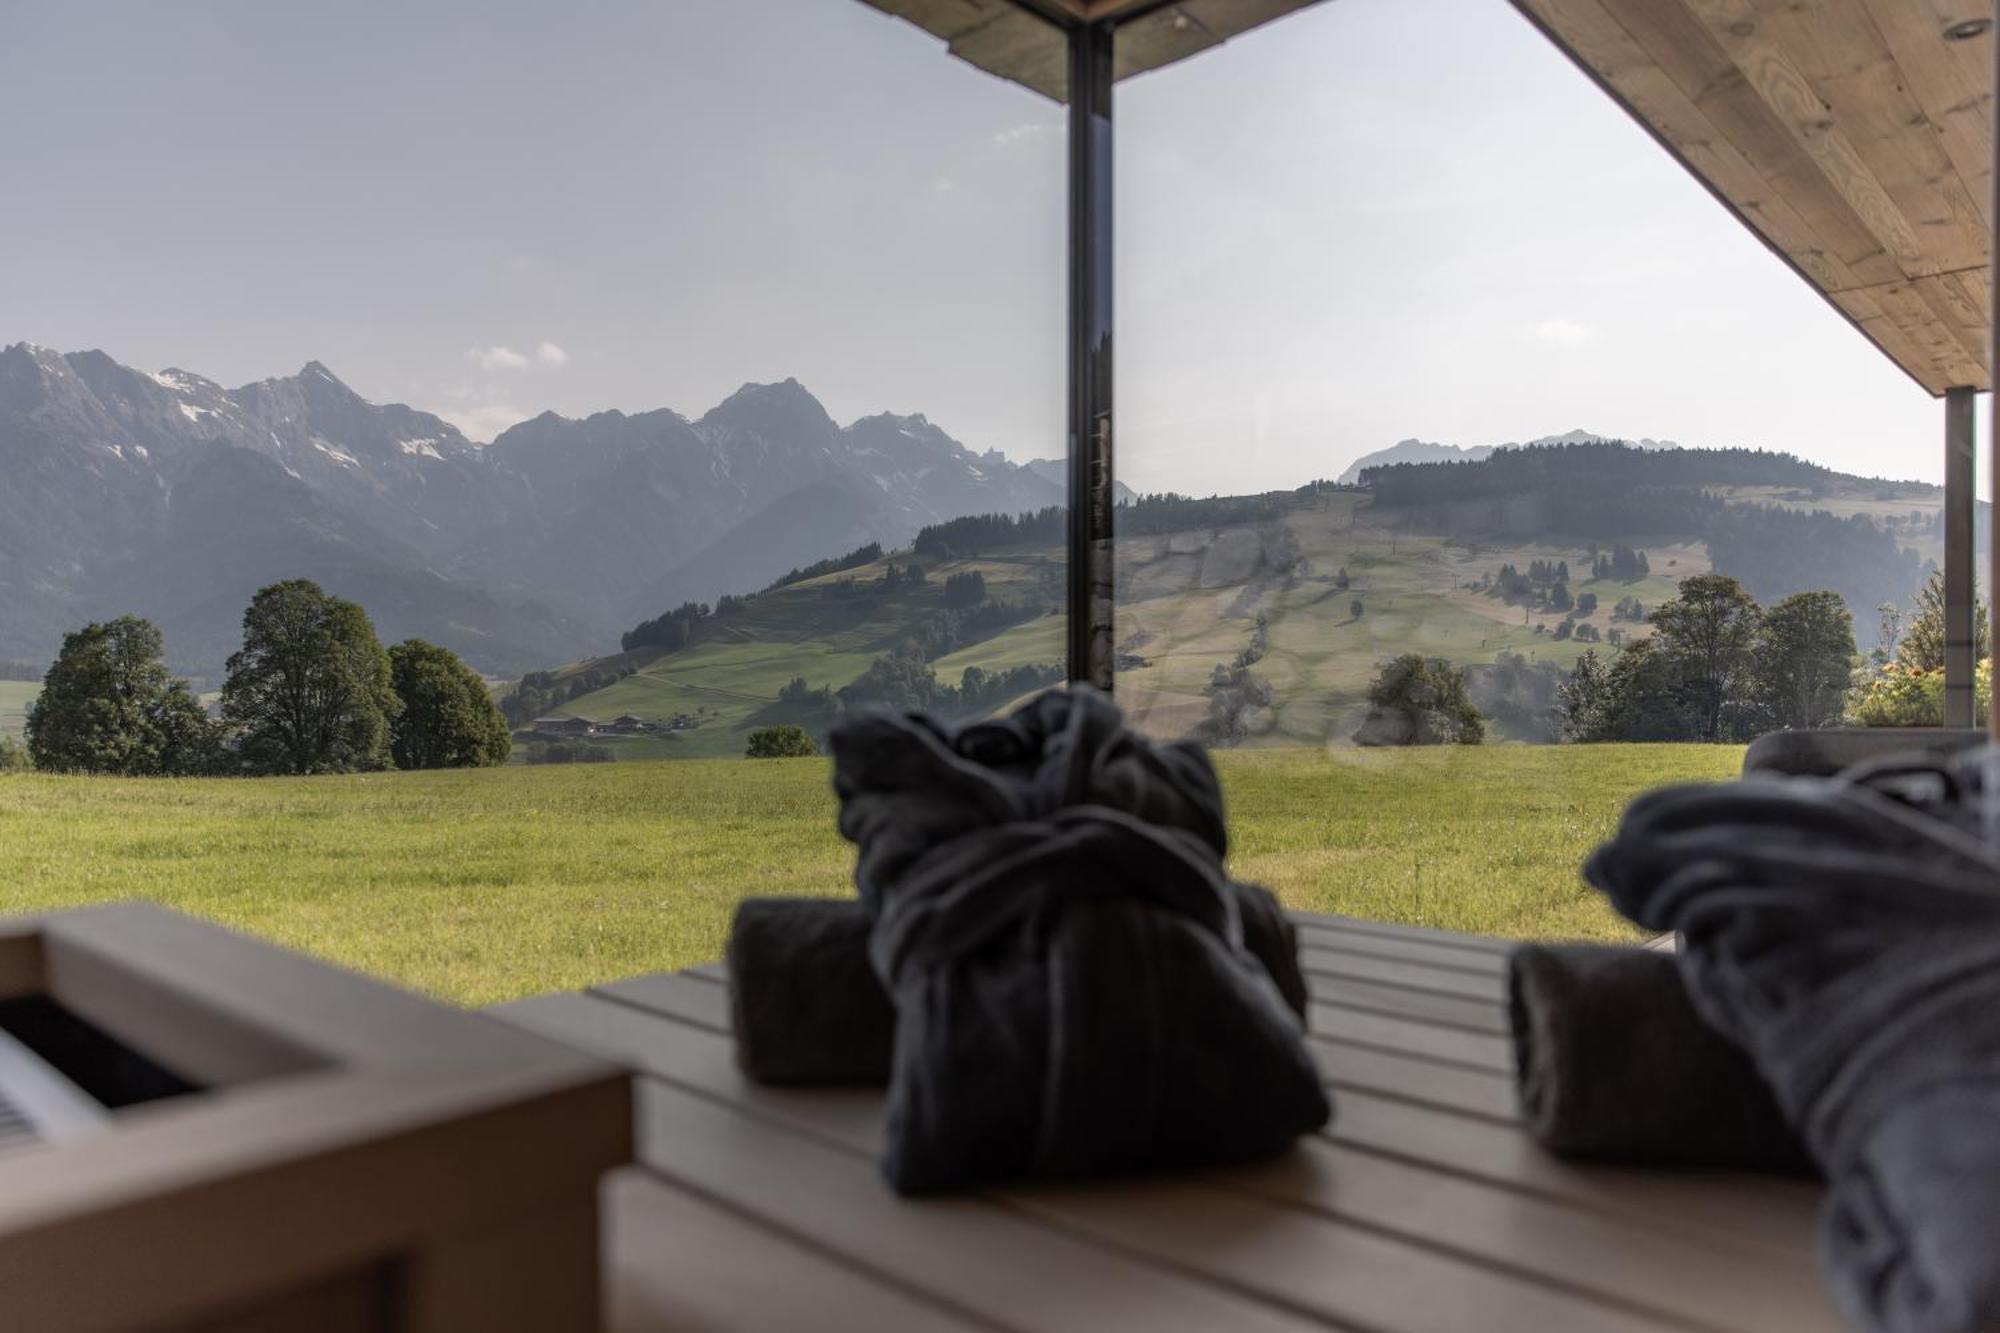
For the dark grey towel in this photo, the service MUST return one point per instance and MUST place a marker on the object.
(1614, 1063)
(807, 1005)
(1066, 960)
(1851, 945)
(809, 1008)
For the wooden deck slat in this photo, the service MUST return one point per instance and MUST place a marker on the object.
(1357, 1274)
(692, 999)
(1419, 1120)
(1452, 1011)
(1310, 923)
(680, 1262)
(1737, 1287)
(1411, 951)
(1480, 1092)
(1490, 987)
(1410, 1037)
(1759, 1211)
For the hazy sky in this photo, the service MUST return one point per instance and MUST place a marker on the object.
(1371, 220)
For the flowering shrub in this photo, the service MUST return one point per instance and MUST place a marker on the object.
(1901, 696)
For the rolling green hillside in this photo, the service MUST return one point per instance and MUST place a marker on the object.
(825, 630)
(1267, 586)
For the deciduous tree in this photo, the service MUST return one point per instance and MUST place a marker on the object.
(108, 706)
(448, 718)
(1706, 635)
(310, 689)
(1805, 658)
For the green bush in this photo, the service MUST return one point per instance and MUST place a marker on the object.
(1902, 696)
(14, 756)
(786, 742)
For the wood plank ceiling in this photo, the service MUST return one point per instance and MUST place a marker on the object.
(1854, 136)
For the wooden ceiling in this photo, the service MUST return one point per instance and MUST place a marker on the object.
(1022, 40)
(1854, 136)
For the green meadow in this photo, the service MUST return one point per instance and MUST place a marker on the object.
(485, 885)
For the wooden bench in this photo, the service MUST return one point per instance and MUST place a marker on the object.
(1422, 1207)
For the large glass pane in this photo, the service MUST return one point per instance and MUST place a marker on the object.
(689, 370)
(1437, 381)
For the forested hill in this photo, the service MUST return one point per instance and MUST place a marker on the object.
(1776, 523)
(1602, 469)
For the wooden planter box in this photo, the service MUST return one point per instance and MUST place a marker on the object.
(352, 1156)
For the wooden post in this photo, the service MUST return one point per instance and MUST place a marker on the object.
(1960, 603)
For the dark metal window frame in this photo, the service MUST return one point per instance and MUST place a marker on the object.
(1091, 495)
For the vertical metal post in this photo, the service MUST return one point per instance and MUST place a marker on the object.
(1959, 599)
(1090, 493)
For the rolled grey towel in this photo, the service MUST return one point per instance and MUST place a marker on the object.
(1850, 943)
(809, 1008)
(807, 1004)
(1614, 1063)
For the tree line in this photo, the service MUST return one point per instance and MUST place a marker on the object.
(1717, 667)
(311, 690)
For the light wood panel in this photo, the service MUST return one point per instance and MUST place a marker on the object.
(1850, 134)
(1422, 1207)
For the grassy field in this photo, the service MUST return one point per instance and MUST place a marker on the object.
(15, 696)
(483, 886)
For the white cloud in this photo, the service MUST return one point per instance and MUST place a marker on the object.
(551, 355)
(1565, 332)
(1023, 134)
(484, 421)
(497, 358)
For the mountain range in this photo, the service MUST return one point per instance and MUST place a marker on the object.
(1424, 451)
(166, 495)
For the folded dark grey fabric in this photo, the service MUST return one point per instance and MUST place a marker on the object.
(809, 1008)
(1066, 960)
(1850, 943)
(1613, 1063)
(806, 1004)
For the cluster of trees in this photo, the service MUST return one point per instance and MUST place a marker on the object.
(671, 630)
(911, 575)
(1628, 608)
(904, 680)
(945, 630)
(1717, 667)
(540, 692)
(866, 554)
(1902, 684)
(1545, 584)
(1621, 562)
(1614, 473)
(1240, 699)
(311, 691)
(959, 538)
(1418, 700)
(1150, 515)
(966, 589)
(21, 671)
(786, 741)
